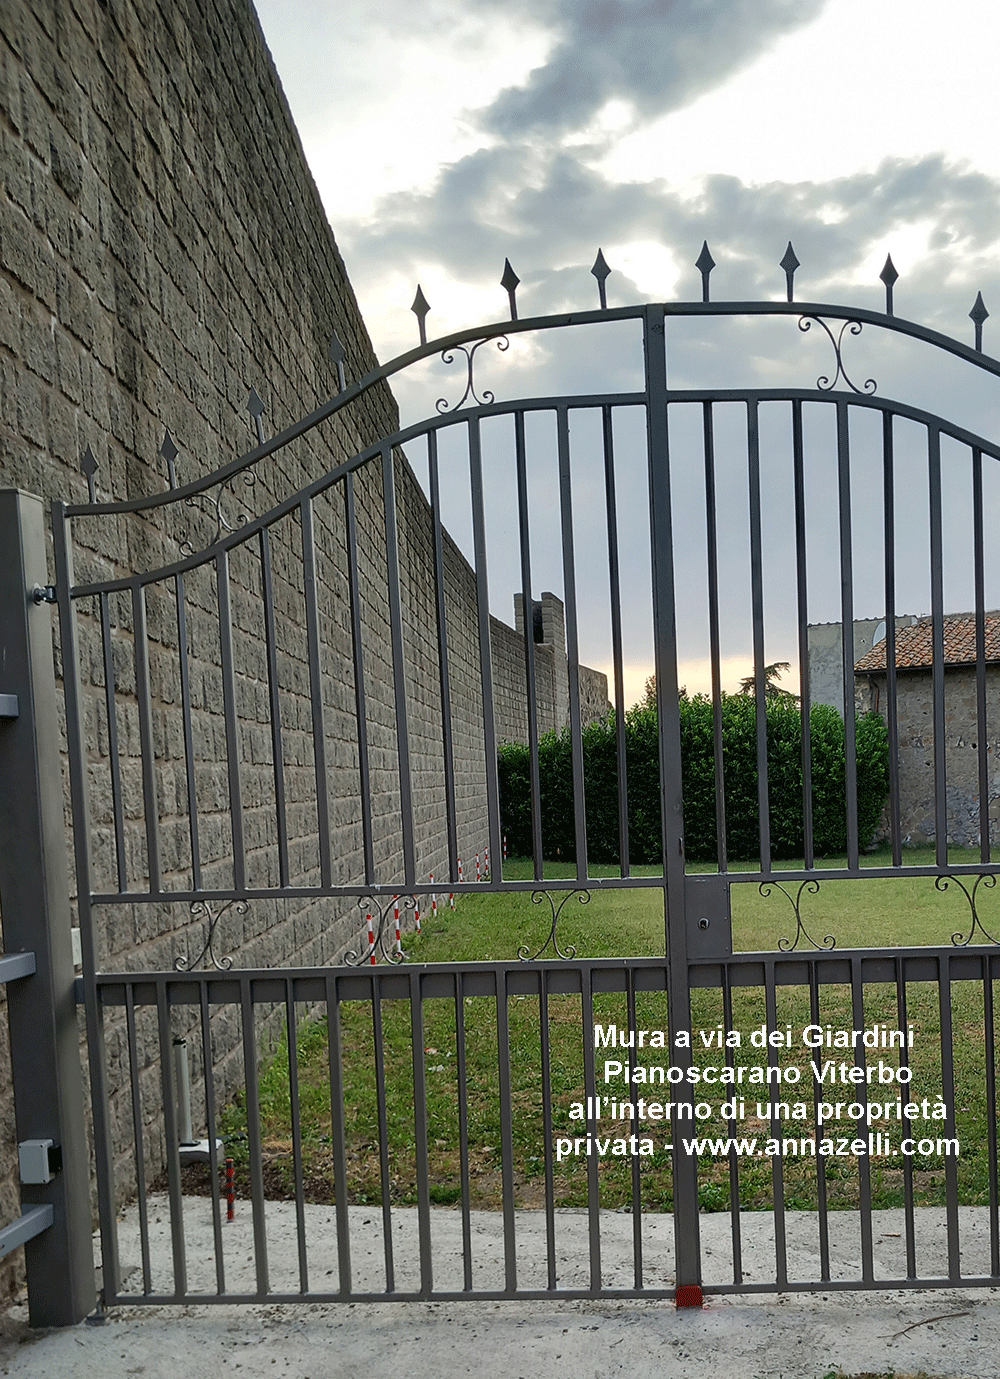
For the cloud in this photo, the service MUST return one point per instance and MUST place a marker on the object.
(655, 55)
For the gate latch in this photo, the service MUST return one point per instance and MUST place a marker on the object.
(709, 916)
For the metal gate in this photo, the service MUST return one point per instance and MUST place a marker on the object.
(219, 764)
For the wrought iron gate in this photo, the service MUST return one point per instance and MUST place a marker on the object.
(401, 775)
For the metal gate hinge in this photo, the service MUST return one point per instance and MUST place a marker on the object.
(44, 593)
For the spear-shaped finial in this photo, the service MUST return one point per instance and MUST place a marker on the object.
(789, 263)
(337, 355)
(978, 314)
(509, 283)
(256, 409)
(704, 264)
(88, 466)
(169, 452)
(420, 308)
(601, 271)
(888, 276)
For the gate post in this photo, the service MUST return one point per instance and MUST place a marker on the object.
(687, 1235)
(34, 899)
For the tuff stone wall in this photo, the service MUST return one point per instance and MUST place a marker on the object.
(510, 701)
(163, 250)
(915, 719)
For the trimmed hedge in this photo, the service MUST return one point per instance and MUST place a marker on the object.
(739, 737)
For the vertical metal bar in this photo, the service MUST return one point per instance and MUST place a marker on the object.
(485, 653)
(777, 1164)
(937, 644)
(506, 1130)
(821, 1203)
(982, 740)
(440, 603)
(634, 1097)
(572, 640)
(291, 1026)
(192, 787)
(140, 1155)
(208, 1064)
(232, 726)
(354, 587)
(948, 1092)
(254, 1146)
(150, 807)
(170, 1131)
(712, 543)
(546, 1056)
(802, 607)
(904, 1062)
(757, 602)
(316, 693)
(461, 1074)
(274, 695)
(114, 761)
(338, 1143)
(590, 1093)
(864, 1163)
(614, 579)
(420, 1134)
(847, 630)
(398, 666)
(378, 1038)
(735, 1226)
(34, 896)
(528, 610)
(687, 1240)
(891, 715)
(989, 1030)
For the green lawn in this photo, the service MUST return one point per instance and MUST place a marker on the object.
(903, 912)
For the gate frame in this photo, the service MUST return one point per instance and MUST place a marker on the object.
(36, 734)
(34, 893)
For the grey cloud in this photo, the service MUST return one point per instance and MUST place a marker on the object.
(548, 209)
(658, 55)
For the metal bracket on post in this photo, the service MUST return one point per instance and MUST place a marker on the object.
(55, 1224)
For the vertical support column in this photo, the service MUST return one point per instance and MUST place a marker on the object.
(34, 897)
(687, 1244)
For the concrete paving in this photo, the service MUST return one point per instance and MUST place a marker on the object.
(952, 1333)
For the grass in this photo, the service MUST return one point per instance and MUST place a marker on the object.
(382, 1157)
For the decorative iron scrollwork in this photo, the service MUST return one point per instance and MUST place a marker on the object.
(376, 934)
(537, 897)
(212, 503)
(941, 883)
(825, 383)
(200, 909)
(448, 357)
(789, 945)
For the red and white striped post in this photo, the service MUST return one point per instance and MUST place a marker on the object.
(479, 875)
(399, 941)
(434, 901)
(487, 858)
(505, 847)
(371, 940)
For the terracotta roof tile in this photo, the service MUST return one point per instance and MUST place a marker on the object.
(914, 649)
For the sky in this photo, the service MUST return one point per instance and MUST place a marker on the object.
(449, 135)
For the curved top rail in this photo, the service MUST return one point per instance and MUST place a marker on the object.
(516, 327)
(567, 402)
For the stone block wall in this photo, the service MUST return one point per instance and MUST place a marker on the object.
(163, 250)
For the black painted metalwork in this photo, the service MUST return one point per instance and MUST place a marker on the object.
(288, 728)
(789, 945)
(201, 909)
(524, 952)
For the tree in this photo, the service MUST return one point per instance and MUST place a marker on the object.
(772, 690)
